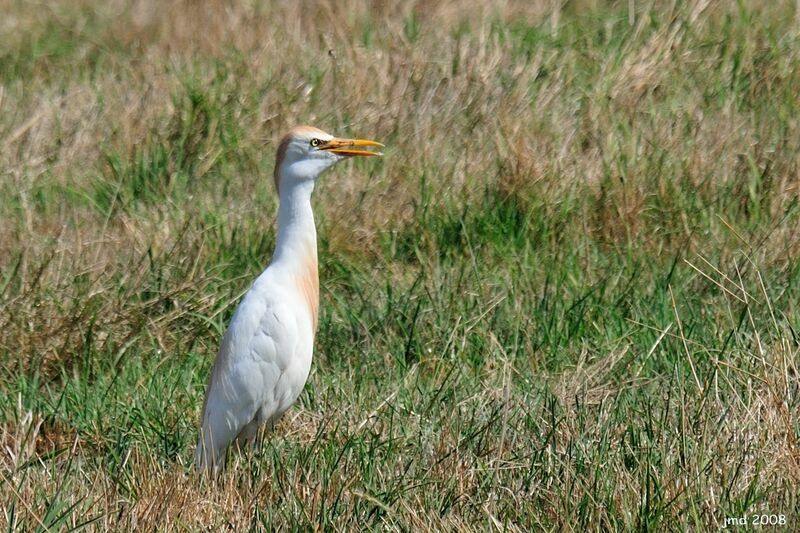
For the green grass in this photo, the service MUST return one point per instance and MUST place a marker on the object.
(565, 298)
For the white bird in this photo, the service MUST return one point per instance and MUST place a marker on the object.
(265, 355)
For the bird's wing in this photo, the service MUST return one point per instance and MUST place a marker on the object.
(252, 359)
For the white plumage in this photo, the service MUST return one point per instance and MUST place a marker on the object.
(265, 355)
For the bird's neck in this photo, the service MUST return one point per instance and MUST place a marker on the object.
(296, 247)
(297, 235)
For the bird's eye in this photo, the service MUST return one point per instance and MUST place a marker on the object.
(315, 142)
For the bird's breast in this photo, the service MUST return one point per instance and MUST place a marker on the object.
(306, 280)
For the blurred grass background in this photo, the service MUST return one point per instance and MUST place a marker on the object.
(566, 298)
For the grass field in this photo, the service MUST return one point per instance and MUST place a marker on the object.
(565, 299)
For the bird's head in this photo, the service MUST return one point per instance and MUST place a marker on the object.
(305, 152)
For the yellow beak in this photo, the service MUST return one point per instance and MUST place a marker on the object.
(345, 147)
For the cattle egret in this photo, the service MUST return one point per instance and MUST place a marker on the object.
(265, 356)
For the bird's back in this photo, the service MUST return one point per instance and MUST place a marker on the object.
(261, 367)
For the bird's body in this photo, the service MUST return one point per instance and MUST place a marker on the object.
(265, 356)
